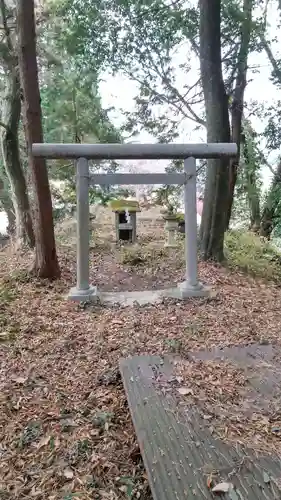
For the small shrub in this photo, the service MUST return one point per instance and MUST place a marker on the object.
(140, 255)
(8, 290)
(174, 345)
(132, 256)
(252, 254)
(30, 434)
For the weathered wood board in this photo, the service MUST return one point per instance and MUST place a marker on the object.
(178, 450)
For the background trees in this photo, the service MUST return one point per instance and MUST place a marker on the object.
(191, 73)
(159, 45)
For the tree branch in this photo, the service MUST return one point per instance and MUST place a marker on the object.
(276, 69)
(265, 161)
(174, 90)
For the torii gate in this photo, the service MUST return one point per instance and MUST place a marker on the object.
(84, 291)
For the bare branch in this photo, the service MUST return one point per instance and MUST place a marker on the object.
(266, 162)
(271, 57)
(174, 90)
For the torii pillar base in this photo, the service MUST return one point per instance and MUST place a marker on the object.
(187, 290)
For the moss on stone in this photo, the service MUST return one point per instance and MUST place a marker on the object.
(122, 205)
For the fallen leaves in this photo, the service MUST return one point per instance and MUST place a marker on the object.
(73, 394)
(44, 441)
(234, 408)
(19, 380)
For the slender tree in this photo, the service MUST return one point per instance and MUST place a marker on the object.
(46, 262)
(237, 104)
(11, 111)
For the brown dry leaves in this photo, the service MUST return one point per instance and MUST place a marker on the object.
(225, 399)
(63, 429)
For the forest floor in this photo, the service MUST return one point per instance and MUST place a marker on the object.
(65, 427)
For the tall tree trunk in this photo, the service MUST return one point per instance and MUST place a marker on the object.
(46, 262)
(238, 98)
(271, 205)
(213, 223)
(11, 158)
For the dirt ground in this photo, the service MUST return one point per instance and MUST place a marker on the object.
(65, 428)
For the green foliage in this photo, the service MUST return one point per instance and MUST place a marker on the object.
(129, 483)
(72, 110)
(139, 39)
(72, 107)
(272, 130)
(174, 345)
(252, 254)
(169, 197)
(30, 434)
(78, 40)
(142, 40)
(247, 201)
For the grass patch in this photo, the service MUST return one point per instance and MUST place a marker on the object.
(139, 255)
(8, 293)
(8, 290)
(101, 245)
(253, 255)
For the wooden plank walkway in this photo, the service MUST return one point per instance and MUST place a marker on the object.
(178, 450)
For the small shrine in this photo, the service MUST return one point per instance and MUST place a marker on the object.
(125, 219)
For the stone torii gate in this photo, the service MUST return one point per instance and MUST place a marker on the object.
(84, 291)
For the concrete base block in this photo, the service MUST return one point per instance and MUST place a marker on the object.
(187, 290)
(152, 296)
(181, 292)
(89, 295)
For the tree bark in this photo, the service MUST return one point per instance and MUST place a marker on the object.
(271, 205)
(46, 262)
(213, 223)
(11, 157)
(238, 98)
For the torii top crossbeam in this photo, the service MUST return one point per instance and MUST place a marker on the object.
(134, 151)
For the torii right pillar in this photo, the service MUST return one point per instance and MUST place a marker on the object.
(191, 287)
